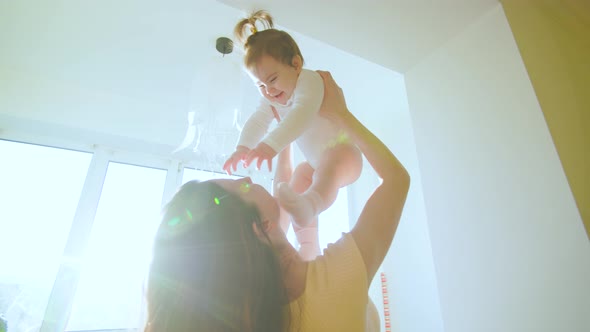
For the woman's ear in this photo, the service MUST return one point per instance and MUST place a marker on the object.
(267, 226)
(297, 63)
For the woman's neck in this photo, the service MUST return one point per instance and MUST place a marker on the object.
(293, 269)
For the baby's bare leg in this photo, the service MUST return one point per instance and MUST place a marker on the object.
(339, 166)
(308, 237)
(302, 178)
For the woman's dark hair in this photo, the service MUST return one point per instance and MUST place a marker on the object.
(210, 272)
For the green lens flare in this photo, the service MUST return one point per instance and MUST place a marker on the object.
(189, 214)
(216, 200)
(245, 187)
(342, 138)
(173, 222)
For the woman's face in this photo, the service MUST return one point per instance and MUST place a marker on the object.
(254, 194)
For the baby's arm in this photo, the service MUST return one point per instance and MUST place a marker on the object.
(306, 104)
(254, 129)
(256, 126)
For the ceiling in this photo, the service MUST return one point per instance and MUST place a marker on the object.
(395, 34)
(128, 68)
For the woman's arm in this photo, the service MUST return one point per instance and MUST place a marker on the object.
(376, 226)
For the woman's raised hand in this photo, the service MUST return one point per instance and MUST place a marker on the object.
(333, 105)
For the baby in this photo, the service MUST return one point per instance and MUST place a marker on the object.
(292, 96)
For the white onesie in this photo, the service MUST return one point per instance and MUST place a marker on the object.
(300, 121)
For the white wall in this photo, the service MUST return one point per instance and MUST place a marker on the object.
(508, 243)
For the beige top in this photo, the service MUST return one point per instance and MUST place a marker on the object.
(336, 291)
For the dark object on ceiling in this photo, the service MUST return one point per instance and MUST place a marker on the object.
(224, 45)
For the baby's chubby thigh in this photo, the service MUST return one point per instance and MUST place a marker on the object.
(343, 160)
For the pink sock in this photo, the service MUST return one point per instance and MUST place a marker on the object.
(303, 208)
(309, 243)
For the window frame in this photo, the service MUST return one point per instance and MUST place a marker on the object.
(63, 292)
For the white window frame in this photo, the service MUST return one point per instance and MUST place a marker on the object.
(64, 289)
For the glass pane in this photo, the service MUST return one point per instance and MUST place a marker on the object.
(110, 290)
(334, 221)
(40, 188)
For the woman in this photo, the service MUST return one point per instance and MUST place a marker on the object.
(222, 262)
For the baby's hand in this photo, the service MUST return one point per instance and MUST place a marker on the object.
(261, 152)
(232, 162)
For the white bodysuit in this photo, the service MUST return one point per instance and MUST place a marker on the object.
(300, 121)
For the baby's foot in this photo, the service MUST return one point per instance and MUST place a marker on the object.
(303, 208)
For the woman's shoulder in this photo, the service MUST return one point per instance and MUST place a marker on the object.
(335, 295)
(341, 264)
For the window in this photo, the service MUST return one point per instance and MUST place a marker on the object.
(40, 188)
(110, 290)
(334, 221)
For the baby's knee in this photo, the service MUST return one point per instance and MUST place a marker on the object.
(304, 168)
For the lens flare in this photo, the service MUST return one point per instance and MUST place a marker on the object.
(189, 214)
(174, 221)
(245, 187)
(216, 200)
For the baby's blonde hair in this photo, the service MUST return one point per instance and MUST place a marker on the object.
(272, 42)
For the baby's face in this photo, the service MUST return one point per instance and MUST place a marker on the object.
(275, 80)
